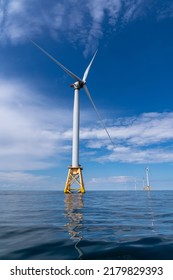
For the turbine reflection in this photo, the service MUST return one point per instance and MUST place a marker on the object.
(150, 212)
(73, 207)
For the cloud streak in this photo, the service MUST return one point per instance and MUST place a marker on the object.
(81, 24)
(112, 179)
(142, 130)
(139, 139)
(26, 181)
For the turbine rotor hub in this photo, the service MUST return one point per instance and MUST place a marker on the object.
(77, 85)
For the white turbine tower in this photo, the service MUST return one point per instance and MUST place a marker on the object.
(147, 176)
(75, 170)
(148, 187)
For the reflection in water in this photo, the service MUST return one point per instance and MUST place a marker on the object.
(150, 211)
(73, 211)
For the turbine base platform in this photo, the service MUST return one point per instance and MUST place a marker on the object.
(147, 188)
(74, 176)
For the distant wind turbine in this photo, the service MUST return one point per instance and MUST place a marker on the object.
(75, 170)
(148, 187)
(135, 183)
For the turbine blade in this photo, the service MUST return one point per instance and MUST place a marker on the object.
(100, 118)
(72, 75)
(88, 68)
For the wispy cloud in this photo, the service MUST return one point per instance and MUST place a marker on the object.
(139, 155)
(165, 10)
(30, 128)
(82, 24)
(139, 139)
(112, 179)
(26, 181)
(145, 129)
(120, 182)
(35, 133)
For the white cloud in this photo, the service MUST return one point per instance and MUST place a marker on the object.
(27, 181)
(140, 139)
(30, 128)
(142, 130)
(35, 133)
(135, 9)
(82, 24)
(98, 10)
(112, 179)
(120, 182)
(138, 155)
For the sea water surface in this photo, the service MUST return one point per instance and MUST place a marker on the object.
(97, 225)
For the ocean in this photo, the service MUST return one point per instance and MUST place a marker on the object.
(110, 225)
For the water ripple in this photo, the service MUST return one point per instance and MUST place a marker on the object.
(114, 225)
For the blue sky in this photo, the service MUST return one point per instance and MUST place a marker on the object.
(130, 82)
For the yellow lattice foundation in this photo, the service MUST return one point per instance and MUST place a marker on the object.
(147, 188)
(74, 176)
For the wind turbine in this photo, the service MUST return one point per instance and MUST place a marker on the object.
(135, 180)
(148, 187)
(75, 170)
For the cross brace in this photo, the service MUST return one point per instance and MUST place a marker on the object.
(74, 176)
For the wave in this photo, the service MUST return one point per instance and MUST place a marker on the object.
(150, 248)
